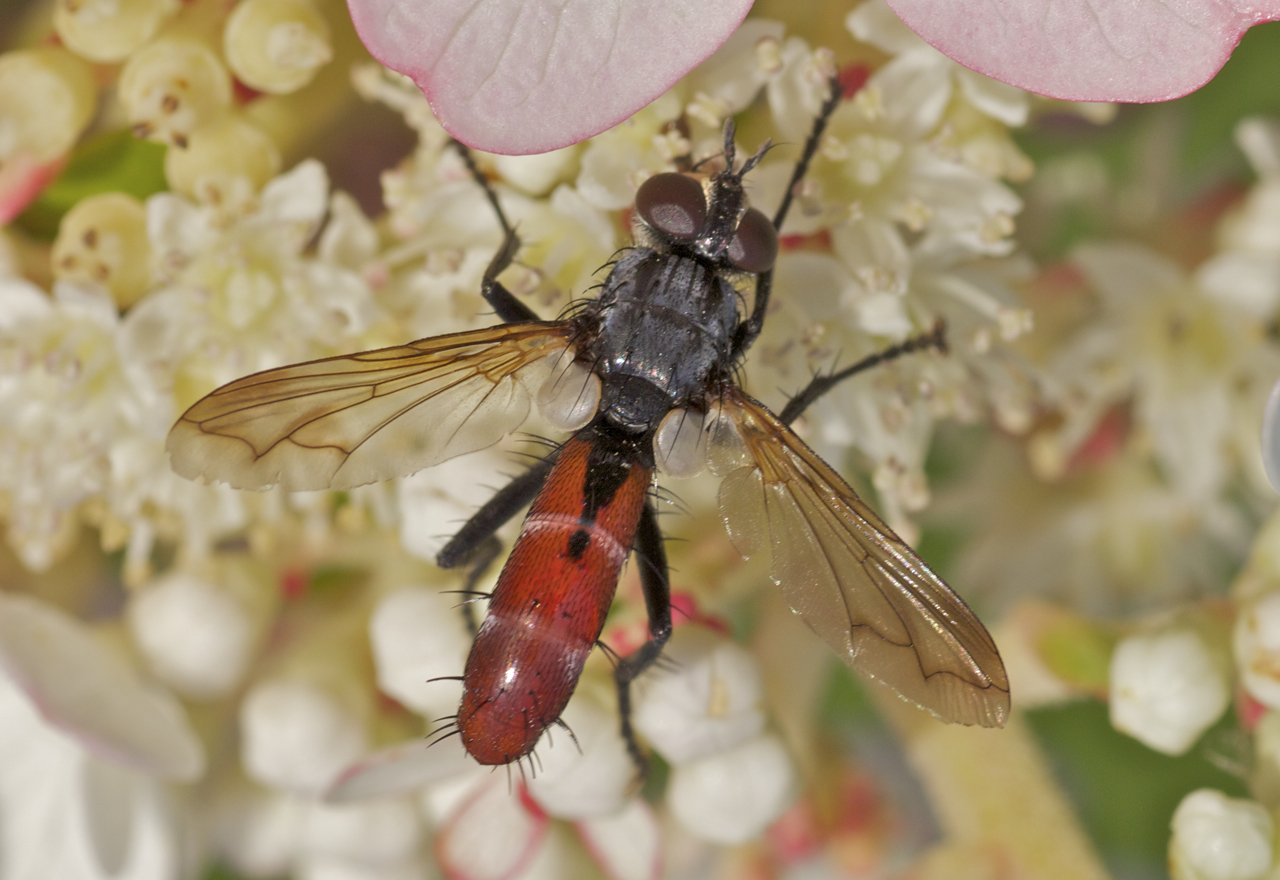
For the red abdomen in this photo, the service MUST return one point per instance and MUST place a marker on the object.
(549, 606)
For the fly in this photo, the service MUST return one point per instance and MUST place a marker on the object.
(643, 379)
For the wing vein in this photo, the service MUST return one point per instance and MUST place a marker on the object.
(850, 578)
(344, 421)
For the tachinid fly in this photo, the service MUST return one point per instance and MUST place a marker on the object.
(643, 377)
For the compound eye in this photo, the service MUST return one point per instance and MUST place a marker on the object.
(755, 243)
(673, 204)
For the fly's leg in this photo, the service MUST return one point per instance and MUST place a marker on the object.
(494, 514)
(504, 303)
(478, 560)
(750, 329)
(820, 385)
(656, 581)
(476, 544)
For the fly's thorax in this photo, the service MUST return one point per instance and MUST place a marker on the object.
(665, 328)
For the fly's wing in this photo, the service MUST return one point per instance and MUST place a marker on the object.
(346, 421)
(855, 582)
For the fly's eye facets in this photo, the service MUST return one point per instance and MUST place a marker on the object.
(680, 446)
(755, 244)
(673, 204)
(570, 397)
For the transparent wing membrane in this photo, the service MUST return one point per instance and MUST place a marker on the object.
(841, 568)
(346, 421)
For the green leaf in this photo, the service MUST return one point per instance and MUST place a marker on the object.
(115, 162)
(1124, 792)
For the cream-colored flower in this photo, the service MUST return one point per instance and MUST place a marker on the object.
(1219, 838)
(1167, 688)
(1192, 369)
(63, 397)
(88, 749)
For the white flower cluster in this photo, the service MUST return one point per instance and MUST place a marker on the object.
(89, 396)
(173, 83)
(1145, 478)
(1189, 358)
(305, 633)
(907, 188)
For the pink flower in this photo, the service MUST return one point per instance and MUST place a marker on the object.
(528, 76)
(22, 179)
(1089, 50)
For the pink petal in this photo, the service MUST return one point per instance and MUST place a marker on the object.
(493, 836)
(1089, 50)
(22, 178)
(527, 76)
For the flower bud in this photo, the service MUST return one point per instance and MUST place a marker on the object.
(103, 240)
(588, 773)
(196, 637)
(708, 699)
(276, 46)
(109, 30)
(225, 162)
(1167, 688)
(297, 736)
(47, 97)
(538, 173)
(171, 88)
(1264, 781)
(1257, 648)
(257, 832)
(1271, 437)
(734, 795)
(627, 843)
(491, 832)
(441, 495)
(1219, 838)
(417, 634)
(377, 832)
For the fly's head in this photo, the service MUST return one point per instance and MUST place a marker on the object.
(708, 220)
